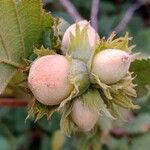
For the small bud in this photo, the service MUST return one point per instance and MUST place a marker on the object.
(48, 79)
(83, 117)
(111, 65)
(92, 35)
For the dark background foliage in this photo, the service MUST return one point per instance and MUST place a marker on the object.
(16, 134)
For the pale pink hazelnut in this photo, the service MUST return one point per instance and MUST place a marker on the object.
(111, 65)
(92, 35)
(48, 79)
(83, 117)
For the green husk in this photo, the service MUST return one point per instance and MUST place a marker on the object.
(79, 47)
(37, 110)
(94, 101)
(79, 77)
(98, 96)
(43, 51)
(120, 93)
(66, 123)
(121, 43)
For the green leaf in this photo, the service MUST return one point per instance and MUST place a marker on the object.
(144, 102)
(141, 68)
(63, 15)
(141, 38)
(62, 26)
(7, 134)
(21, 25)
(52, 124)
(118, 144)
(107, 22)
(55, 36)
(141, 142)
(51, 38)
(107, 7)
(46, 39)
(5, 145)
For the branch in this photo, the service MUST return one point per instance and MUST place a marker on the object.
(71, 10)
(11, 102)
(127, 17)
(94, 13)
(120, 132)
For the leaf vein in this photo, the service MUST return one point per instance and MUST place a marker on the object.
(20, 28)
(4, 46)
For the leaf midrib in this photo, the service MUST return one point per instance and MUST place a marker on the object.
(4, 46)
(10, 62)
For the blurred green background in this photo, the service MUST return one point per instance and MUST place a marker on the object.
(16, 134)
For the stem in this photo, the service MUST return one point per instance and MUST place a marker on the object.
(11, 102)
(94, 13)
(119, 132)
(127, 17)
(71, 10)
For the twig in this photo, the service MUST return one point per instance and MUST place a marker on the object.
(11, 102)
(71, 10)
(127, 17)
(119, 132)
(94, 13)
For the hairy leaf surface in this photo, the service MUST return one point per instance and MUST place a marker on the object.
(21, 25)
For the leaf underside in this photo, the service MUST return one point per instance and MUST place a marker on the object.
(21, 25)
